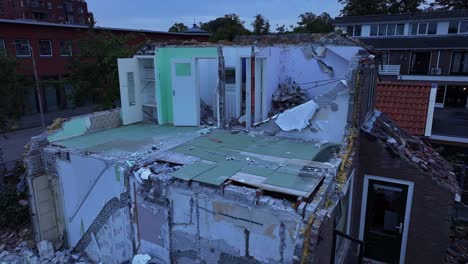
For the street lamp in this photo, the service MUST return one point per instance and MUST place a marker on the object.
(38, 90)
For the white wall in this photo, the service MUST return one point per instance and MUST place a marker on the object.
(365, 30)
(443, 27)
(87, 184)
(207, 77)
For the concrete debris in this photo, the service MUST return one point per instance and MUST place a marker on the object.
(411, 148)
(288, 95)
(46, 249)
(141, 259)
(457, 252)
(298, 117)
(23, 253)
(144, 173)
(206, 131)
(207, 114)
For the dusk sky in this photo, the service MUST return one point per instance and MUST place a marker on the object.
(160, 15)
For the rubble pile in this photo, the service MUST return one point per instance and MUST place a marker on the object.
(45, 254)
(457, 252)
(207, 114)
(288, 95)
(412, 148)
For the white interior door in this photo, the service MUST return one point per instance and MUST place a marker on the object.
(185, 96)
(130, 95)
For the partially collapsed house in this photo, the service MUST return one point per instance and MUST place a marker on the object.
(245, 152)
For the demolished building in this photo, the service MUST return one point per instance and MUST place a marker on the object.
(244, 152)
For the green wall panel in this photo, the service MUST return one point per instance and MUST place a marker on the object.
(163, 59)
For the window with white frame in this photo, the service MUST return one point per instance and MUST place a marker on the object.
(354, 30)
(22, 48)
(459, 63)
(45, 48)
(423, 28)
(65, 48)
(458, 27)
(387, 30)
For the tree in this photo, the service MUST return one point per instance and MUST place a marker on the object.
(225, 28)
(94, 71)
(363, 7)
(449, 4)
(376, 7)
(178, 27)
(311, 23)
(261, 26)
(13, 91)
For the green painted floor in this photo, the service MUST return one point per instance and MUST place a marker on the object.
(127, 139)
(225, 152)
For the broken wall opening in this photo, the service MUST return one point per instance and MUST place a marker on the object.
(207, 82)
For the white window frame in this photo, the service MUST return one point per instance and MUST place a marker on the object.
(50, 47)
(16, 50)
(409, 203)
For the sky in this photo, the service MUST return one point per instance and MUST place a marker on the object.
(161, 14)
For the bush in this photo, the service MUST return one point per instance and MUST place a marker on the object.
(12, 213)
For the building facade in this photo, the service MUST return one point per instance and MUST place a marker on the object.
(430, 47)
(54, 46)
(54, 11)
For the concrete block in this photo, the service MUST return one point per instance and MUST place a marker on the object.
(241, 194)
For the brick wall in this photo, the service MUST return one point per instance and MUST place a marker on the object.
(432, 202)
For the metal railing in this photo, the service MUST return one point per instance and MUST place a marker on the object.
(389, 69)
(359, 243)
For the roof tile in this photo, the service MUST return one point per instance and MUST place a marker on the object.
(406, 103)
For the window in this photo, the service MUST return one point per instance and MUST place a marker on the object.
(49, 5)
(422, 29)
(432, 28)
(463, 27)
(45, 48)
(230, 75)
(453, 27)
(391, 29)
(69, 7)
(440, 96)
(71, 20)
(354, 31)
(65, 48)
(459, 62)
(131, 88)
(81, 20)
(22, 48)
(400, 29)
(414, 29)
(420, 62)
(382, 29)
(80, 10)
(373, 30)
(183, 69)
(357, 31)
(2, 46)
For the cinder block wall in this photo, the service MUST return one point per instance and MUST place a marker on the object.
(432, 203)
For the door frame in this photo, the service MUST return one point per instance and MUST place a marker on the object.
(409, 202)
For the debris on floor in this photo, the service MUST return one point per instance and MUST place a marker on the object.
(297, 117)
(288, 95)
(141, 259)
(207, 114)
(457, 252)
(23, 253)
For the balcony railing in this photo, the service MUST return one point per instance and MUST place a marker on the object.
(389, 69)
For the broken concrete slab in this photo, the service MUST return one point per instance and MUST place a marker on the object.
(297, 118)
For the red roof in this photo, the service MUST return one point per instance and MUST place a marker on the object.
(406, 103)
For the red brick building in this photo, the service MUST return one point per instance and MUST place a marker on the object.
(54, 11)
(53, 47)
